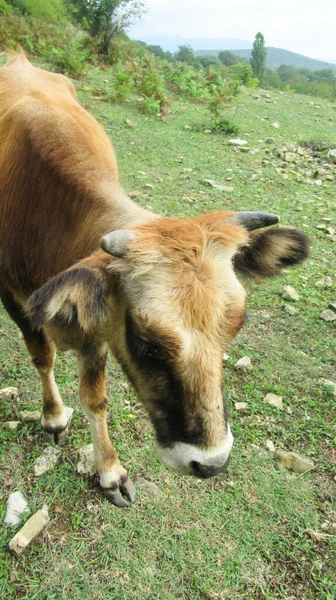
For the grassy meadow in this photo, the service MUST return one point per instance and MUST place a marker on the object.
(242, 535)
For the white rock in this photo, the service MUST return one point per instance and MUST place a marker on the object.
(293, 461)
(30, 415)
(237, 142)
(240, 405)
(330, 385)
(270, 446)
(12, 425)
(244, 364)
(276, 125)
(29, 531)
(328, 315)
(9, 393)
(148, 487)
(86, 464)
(274, 400)
(332, 153)
(207, 131)
(225, 356)
(255, 177)
(47, 461)
(16, 505)
(291, 310)
(324, 283)
(289, 293)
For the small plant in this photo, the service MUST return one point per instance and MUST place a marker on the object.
(225, 126)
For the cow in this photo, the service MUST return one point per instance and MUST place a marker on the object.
(83, 267)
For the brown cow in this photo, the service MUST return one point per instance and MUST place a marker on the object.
(162, 294)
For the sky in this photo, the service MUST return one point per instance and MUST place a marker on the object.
(304, 26)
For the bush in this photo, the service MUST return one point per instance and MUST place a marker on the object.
(225, 126)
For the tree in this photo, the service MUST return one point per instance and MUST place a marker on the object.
(258, 56)
(105, 18)
(185, 54)
(229, 58)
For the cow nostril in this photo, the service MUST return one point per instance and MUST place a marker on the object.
(206, 471)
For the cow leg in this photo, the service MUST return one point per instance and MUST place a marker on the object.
(113, 477)
(42, 350)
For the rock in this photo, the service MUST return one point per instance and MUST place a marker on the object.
(289, 157)
(255, 177)
(293, 461)
(30, 415)
(330, 385)
(9, 393)
(270, 446)
(16, 505)
(29, 531)
(324, 283)
(328, 315)
(149, 186)
(289, 293)
(129, 123)
(218, 186)
(148, 487)
(274, 400)
(270, 140)
(225, 356)
(332, 306)
(329, 177)
(244, 364)
(135, 194)
(321, 226)
(315, 535)
(332, 154)
(240, 405)
(47, 461)
(237, 142)
(207, 131)
(276, 125)
(291, 310)
(12, 425)
(86, 464)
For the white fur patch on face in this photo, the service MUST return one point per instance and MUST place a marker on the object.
(179, 457)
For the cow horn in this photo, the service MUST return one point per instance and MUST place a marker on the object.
(255, 220)
(116, 242)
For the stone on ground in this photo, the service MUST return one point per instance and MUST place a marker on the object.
(240, 405)
(237, 142)
(30, 415)
(328, 315)
(293, 461)
(47, 461)
(330, 385)
(9, 393)
(289, 293)
(274, 400)
(244, 364)
(29, 531)
(148, 487)
(16, 505)
(291, 310)
(12, 425)
(270, 446)
(86, 464)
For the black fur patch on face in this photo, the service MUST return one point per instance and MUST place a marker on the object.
(89, 284)
(169, 408)
(271, 250)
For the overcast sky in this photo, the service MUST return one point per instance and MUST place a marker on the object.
(304, 26)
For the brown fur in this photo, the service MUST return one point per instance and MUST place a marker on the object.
(59, 195)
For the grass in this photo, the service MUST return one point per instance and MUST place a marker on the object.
(242, 535)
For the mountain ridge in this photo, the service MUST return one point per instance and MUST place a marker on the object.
(276, 57)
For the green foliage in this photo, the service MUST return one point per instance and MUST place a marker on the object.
(320, 82)
(46, 10)
(103, 19)
(258, 56)
(229, 58)
(185, 53)
(5, 9)
(224, 126)
(244, 75)
(207, 60)
(71, 62)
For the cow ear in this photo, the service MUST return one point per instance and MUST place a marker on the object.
(79, 293)
(269, 251)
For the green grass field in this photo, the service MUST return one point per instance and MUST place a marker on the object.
(242, 535)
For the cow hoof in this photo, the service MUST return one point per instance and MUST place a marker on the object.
(58, 438)
(58, 435)
(119, 490)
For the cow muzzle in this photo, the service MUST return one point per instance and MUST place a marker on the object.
(186, 459)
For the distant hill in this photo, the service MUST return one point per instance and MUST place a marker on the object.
(277, 57)
(172, 43)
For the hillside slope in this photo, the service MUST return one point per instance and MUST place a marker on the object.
(277, 57)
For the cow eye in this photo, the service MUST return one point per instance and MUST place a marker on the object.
(145, 349)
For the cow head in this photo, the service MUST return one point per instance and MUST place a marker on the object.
(168, 299)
